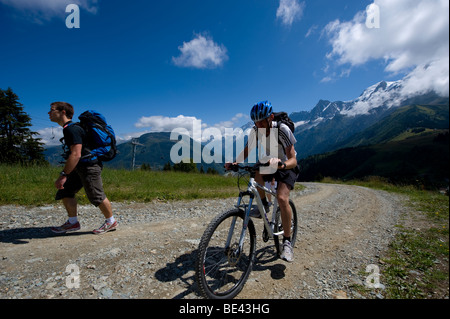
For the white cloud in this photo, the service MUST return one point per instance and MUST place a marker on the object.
(149, 124)
(201, 52)
(50, 136)
(235, 120)
(326, 79)
(289, 11)
(160, 123)
(311, 31)
(433, 75)
(44, 10)
(412, 38)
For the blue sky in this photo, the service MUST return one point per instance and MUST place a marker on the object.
(154, 65)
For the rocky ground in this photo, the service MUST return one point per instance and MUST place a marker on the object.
(342, 229)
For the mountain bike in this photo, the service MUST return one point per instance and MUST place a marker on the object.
(227, 249)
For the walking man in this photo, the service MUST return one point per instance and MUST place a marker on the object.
(77, 174)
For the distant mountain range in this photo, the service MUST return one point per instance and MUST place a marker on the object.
(409, 146)
(381, 113)
(152, 149)
(329, 124)
(380, 97)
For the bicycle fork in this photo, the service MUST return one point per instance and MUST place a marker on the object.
(269, 226)
(246, 221)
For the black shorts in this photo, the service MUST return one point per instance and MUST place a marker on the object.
(286, 176)
(88, 177)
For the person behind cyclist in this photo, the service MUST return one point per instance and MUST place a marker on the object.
(286, 175)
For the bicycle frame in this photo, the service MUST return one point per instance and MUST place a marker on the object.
(252, 192)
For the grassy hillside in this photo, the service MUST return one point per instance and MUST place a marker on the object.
(155, 150)
(331, 134)
(418, 158)
(35, 185)
(405, 122)
(409, 146)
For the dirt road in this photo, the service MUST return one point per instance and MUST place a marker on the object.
(342, 230)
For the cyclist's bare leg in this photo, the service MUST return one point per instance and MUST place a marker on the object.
(259, 179)
(286, 212)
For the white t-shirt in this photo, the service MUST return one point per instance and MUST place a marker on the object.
(280, 137)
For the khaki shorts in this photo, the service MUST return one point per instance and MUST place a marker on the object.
(88, 177)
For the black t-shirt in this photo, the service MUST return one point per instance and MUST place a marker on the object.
(73, 134)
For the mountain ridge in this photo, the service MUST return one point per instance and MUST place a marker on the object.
(326, 127)
(329, 124)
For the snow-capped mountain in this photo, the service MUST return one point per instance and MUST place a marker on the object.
(379, 97)
(330, 123)
(382, 94)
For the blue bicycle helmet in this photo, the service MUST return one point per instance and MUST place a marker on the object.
(261, 111)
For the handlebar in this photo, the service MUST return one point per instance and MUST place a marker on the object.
(250, 168)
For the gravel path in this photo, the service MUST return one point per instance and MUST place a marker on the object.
(152, 254)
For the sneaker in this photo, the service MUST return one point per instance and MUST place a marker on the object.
(288, 253)
(66, 228)
(106, 227)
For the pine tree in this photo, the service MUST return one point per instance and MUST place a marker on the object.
(187, 166)
(167, 167)
(17, 142)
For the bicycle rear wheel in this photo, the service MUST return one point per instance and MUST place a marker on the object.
(222, 271)
(279, 228)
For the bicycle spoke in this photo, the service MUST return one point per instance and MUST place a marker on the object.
(225, 267)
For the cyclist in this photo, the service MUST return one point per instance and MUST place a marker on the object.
(286, 175)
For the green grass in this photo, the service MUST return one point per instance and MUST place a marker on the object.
(416, 264)
(22, 185)
(35, 185)
(144, 186)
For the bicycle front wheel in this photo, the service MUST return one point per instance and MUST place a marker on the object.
(222, 267)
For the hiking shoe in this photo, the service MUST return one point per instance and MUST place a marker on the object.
(106, 227)
(288, 253)
(66, 228)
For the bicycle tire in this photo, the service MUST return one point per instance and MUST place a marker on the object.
(220, 274)
(278, 227)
